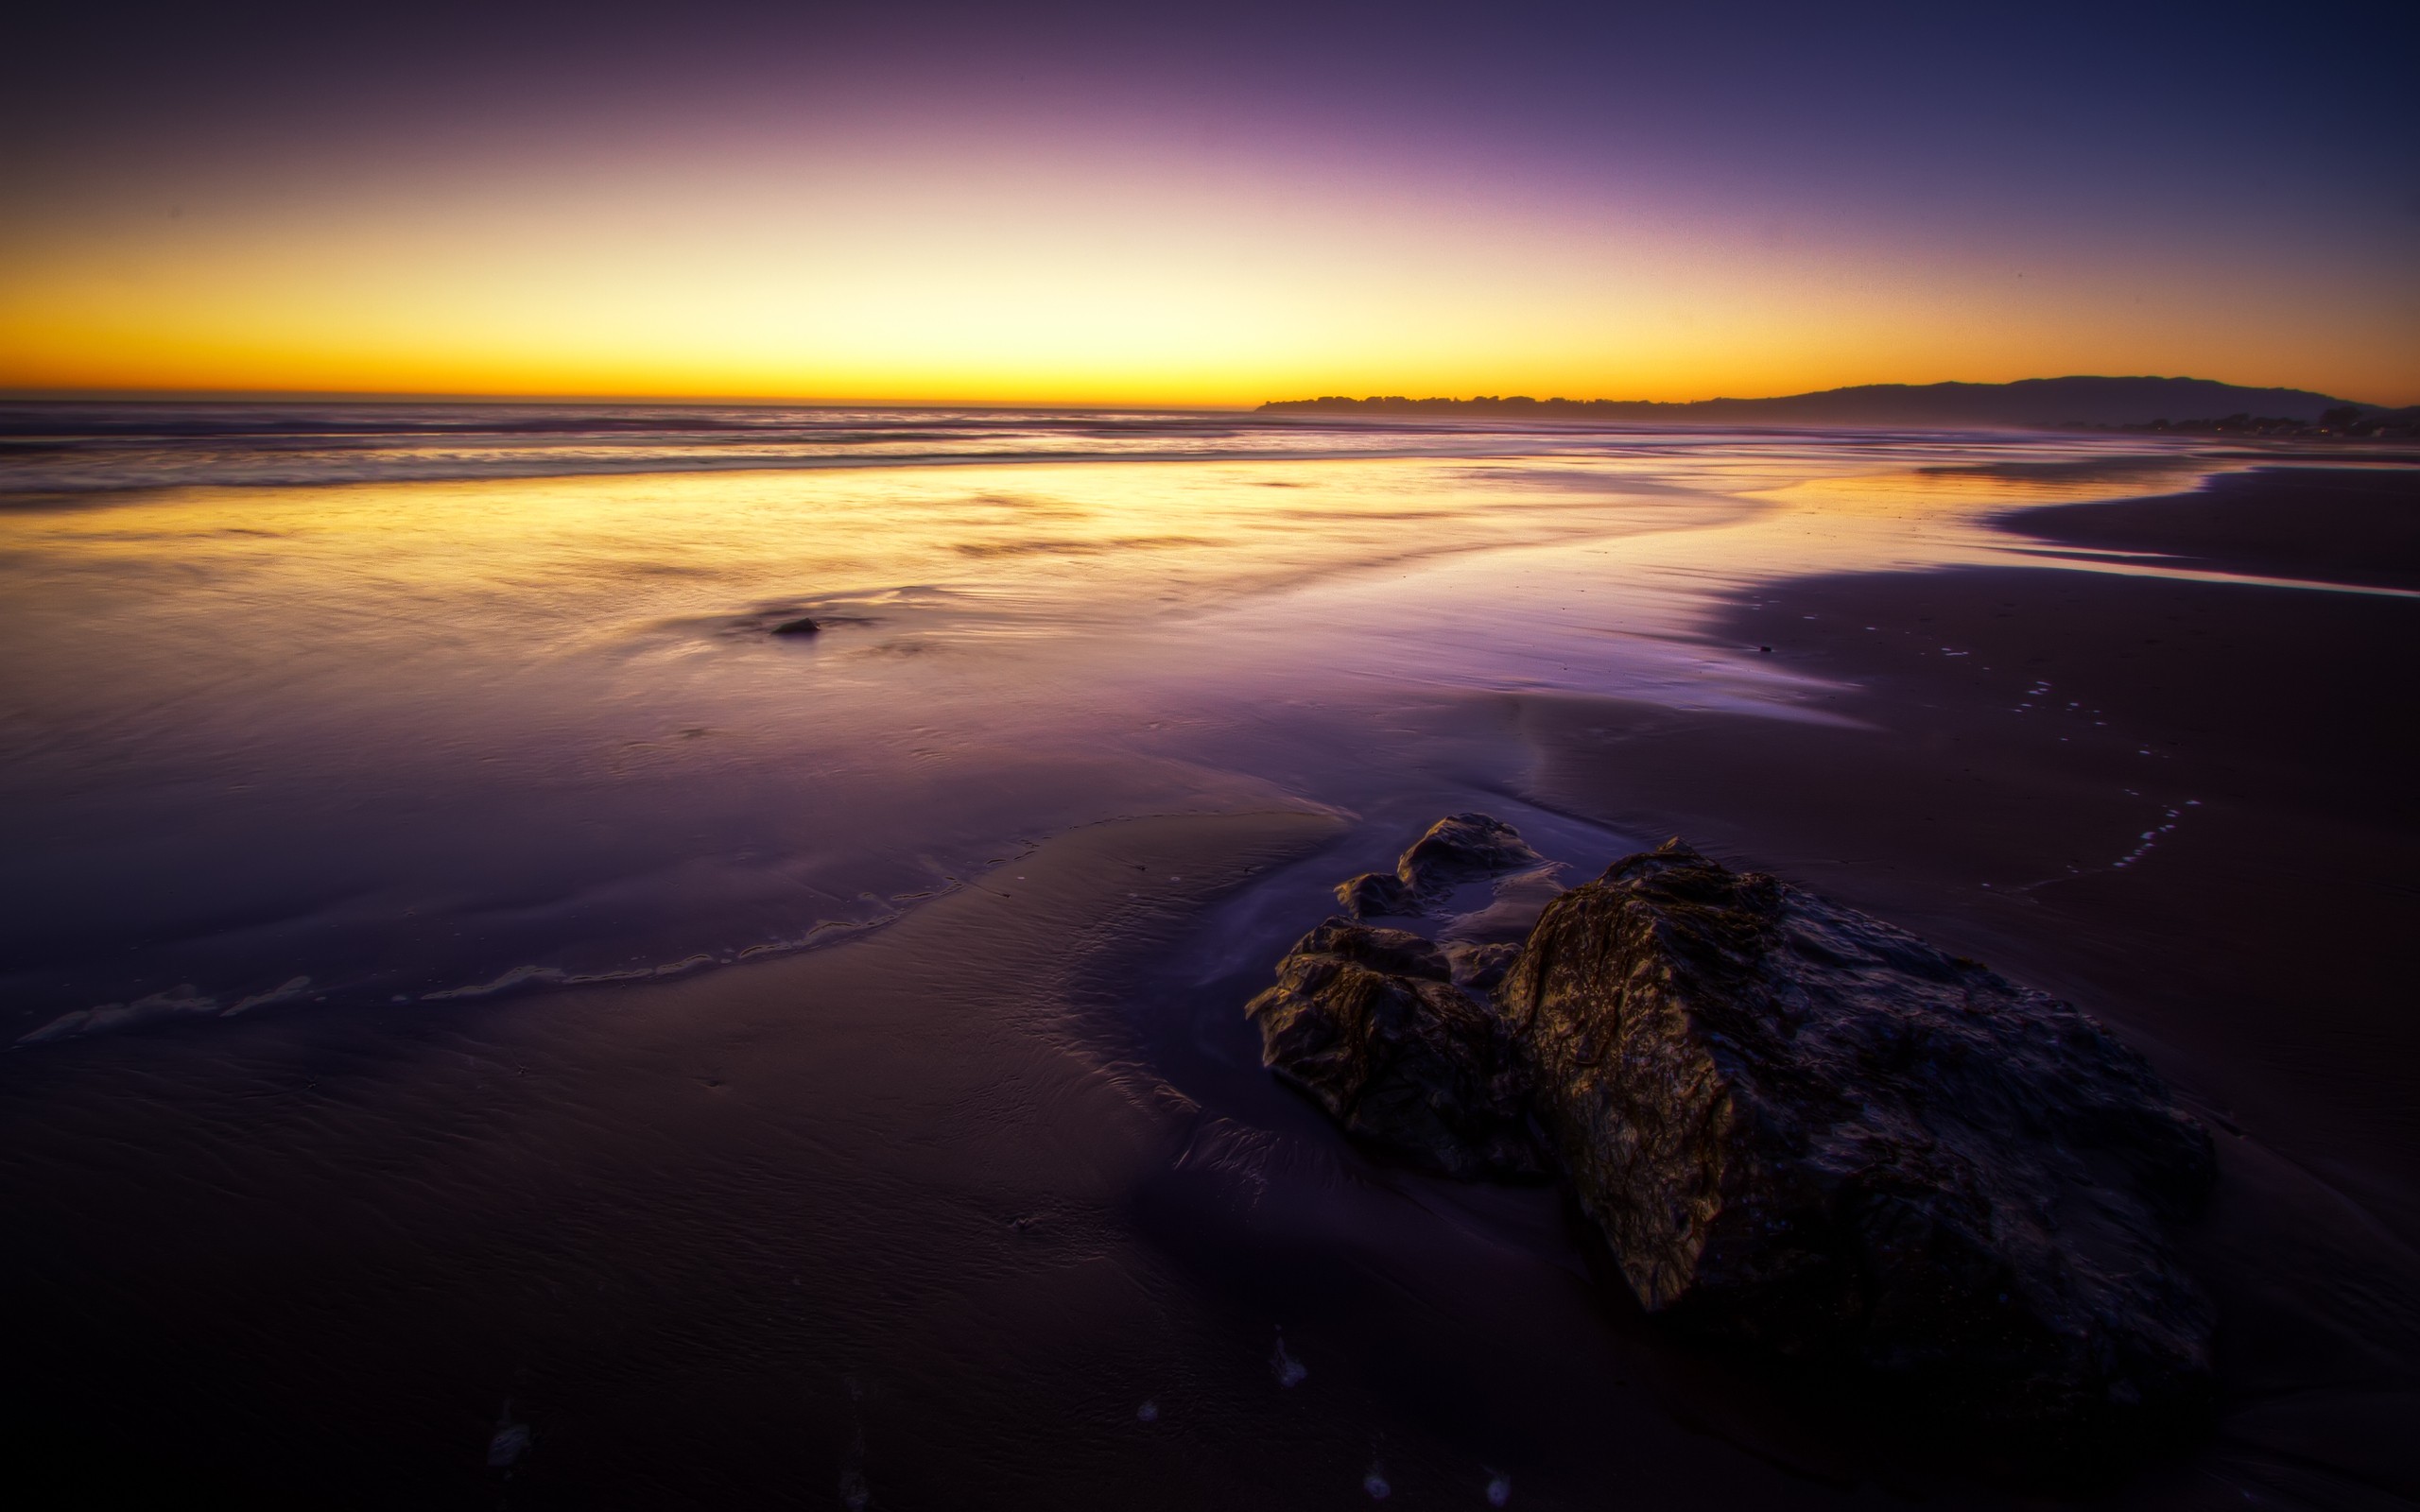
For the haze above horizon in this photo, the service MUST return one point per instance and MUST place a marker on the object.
(1087, 205)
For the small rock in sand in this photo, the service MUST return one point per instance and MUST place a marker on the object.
(1458, 849)
(1480, 968)
(1369, 1024)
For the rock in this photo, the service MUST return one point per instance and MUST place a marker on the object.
(1480, 968)
(1805, 1131)
(1458, 849)
(799, 627)
(1369, 1024)
(1511, 912)
(1462, 847)
(1377, 895)
(1802, 1131)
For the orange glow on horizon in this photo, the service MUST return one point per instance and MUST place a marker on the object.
(1077, 284)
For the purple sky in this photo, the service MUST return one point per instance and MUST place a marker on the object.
(1222, 203)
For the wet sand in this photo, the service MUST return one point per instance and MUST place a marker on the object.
(2337, 525)
(909, 1210)
(939, 1210)
(666, 1221)
(2015, 735)
(2185, 805)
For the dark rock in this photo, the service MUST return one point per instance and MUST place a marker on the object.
(1809, 1132)
(799, 627)
(1377, 895)
(1369, 1024)
(1477, 967)
(1462, 847)
(1802, 1132)
(1511, 910)
(1458, 849)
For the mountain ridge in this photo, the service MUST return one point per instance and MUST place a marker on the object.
(2025, 403)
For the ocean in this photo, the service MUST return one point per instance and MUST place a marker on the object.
(325, 704)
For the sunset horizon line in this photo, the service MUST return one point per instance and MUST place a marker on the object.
(777, 399)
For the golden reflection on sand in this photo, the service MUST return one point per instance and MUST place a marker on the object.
(1080, 542)
(1955, 488)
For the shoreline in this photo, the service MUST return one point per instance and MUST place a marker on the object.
(89, 468)
(943, 1205)
(2177, 803)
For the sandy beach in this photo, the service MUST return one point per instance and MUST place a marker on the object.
(990, 1202)
(2177, 803)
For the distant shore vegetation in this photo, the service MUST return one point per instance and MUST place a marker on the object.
(2144, 405)
(2345, 419)
(1480, 404)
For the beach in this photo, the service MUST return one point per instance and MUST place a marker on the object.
(2176, 803)
(769, 1073)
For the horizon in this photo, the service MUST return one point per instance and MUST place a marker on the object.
(205, 396)
(1081, 206)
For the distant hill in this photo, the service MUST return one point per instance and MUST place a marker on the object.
(2029, 402)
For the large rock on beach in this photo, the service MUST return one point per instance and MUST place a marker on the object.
(1457, 849)
(1805, 1132)
(1368, 1023)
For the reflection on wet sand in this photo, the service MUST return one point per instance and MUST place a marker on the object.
(402, 833)
(462, 734)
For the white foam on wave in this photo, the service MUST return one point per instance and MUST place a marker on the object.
(294, 986)
(179, 1000)
(186, 1000)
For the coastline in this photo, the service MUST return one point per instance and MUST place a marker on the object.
(2210, 852)
(944, 1204)
(1957, 799)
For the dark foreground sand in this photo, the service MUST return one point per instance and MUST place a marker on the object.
(943, 1207)
(2019, 733)
(886, 1210)
(2337, 525)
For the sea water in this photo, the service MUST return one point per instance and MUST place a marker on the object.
(317, 705)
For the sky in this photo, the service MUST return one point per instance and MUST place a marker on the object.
(1080, 203)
